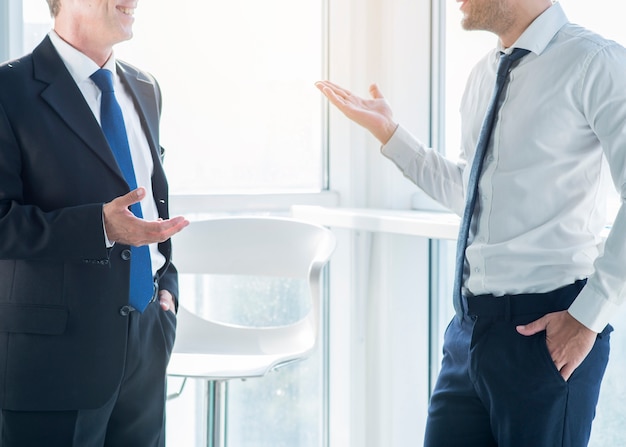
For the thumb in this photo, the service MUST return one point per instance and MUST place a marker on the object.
(375, 91)
(534, 327)
(132, 197)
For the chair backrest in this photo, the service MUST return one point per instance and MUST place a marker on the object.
(263, 246)
(255, 246)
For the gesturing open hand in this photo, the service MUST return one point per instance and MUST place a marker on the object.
(123, 226)
(373, 114)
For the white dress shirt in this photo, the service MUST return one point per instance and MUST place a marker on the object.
(81, 67)
(542, 192)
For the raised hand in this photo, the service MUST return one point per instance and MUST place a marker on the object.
(123, 226)
(373, 114)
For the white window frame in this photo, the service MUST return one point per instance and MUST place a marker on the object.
(379, 306)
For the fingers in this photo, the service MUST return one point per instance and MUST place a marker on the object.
(338, 91)
(566, 372)
(131, 198)
(159, 230)
(134, 231)
(328, 87)
(336, 96)
(534, 327)
(166, 301)
(375, 92)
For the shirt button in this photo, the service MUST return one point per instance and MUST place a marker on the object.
(125, 310)
(125, 255)
(476, 270)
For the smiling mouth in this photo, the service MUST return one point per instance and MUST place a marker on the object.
(126, 11)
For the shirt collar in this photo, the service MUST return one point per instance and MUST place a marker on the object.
(541, 31)
(80, 66)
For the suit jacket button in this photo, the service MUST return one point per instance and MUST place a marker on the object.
(125, 310)
(125, 255)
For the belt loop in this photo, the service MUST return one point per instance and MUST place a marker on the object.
(507, 307)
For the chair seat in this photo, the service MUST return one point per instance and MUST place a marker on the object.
(221, 367)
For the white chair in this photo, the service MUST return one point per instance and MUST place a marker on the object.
(254, 246)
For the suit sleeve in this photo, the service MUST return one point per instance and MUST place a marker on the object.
(29, 232)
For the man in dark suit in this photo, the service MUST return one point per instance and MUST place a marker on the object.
(80, 365)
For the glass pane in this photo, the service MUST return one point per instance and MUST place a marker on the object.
(280, 410)
(246, 300)
(463, 50)
(37, 22)
(240, 112)
(284, 408)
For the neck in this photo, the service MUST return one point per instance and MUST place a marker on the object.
(528, 11)
(75, 37)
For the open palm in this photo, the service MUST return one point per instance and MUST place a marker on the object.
(373, 114)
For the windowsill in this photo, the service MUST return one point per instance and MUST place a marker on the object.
(196, 205)
(430, 224)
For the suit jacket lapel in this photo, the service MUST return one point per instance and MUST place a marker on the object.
(142, 91)
(65, 98)
(145, 95)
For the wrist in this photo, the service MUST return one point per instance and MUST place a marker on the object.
(389, 129)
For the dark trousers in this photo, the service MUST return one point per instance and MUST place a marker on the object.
(133, 416)
(499, 388)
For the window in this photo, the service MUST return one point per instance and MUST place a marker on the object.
(462, 51)
(240, 111)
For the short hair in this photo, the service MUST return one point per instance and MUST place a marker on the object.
(55, 6)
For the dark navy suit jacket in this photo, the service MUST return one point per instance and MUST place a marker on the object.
(62, 336)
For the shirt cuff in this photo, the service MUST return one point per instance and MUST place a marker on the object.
(592, 309)
(401, 148)
(107, 242)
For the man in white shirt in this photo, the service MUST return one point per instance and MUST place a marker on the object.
(83, 352)
(524, 358)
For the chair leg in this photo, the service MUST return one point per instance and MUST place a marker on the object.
(176, 394)
(216, 413)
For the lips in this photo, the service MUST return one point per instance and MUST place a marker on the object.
(126, 10)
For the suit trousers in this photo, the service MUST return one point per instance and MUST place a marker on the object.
(133, 416)
(498, 388)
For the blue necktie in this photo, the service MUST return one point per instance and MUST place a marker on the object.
(504, 67)
(112, 122)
